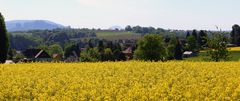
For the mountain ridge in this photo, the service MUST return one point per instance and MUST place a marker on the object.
(25, 25)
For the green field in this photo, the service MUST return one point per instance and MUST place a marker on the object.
(235, 56)
(113, 35)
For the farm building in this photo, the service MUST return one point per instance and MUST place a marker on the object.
(57, 57)
(187, 54)
(128, 52)
(37, 55)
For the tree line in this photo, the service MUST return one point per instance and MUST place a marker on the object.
(31, 39)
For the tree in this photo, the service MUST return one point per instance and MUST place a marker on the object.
(11, 53)
(100, 48)
(178, 52)
(194, 34)
(218, 48)
(150, 48)
(72, 50)
(108, 55)
(235, 34)
(170, 45)
(90, 44)
(137, 29)
(55, 49)
(118, 55)
(188, 34)
(43, 47)
(4, 41)
(22, 42)
(191, 44)
(60, 38)
(151, 30)
(202, 38)
(128, 28)
(90, 55)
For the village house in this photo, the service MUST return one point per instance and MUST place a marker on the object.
(36, 55)
(57, 57)
(188, 54)
(9, 62)
(128, 53)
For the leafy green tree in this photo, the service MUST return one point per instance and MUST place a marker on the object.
(55, 49)
(178, 51)
(188, 34)
(72, 50)
(18, 58)
(218, 48)
(128, 28)
(192, 44)
(191, 41)
(118, 55)
(108, 55)
(150, 48)
(137, 29)
(100, 46)
(4, 41)
(151, 30)
(202, 40)
(171, 43)
(22, 42)
(235, 34)
(90, 55)
(43, 47)
(194, 34)
(60, 38)
(11, 53)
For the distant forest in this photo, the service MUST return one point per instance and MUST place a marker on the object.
(88, 43)
(22, 40)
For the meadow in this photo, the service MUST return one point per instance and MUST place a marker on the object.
(114, 35)
(133, 80)
(234, 55)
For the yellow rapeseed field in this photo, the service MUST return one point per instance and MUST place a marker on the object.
(234, 49)
(129, 81)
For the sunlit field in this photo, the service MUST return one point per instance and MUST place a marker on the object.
(234, 49)
(234, 55)
(108, 35)
(121, 81)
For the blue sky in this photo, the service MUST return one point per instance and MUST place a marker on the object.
(168, 14)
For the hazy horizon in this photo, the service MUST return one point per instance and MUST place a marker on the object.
(167, 14)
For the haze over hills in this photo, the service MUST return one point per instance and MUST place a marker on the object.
(24, 25)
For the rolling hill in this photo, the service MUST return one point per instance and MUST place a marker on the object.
(25, 25)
